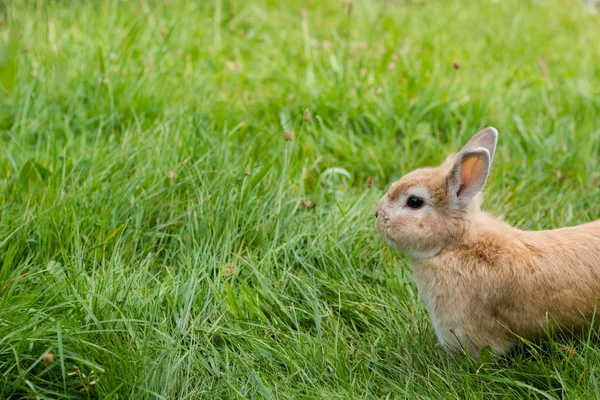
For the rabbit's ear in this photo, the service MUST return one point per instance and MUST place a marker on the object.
(468, 176)
(486, 138)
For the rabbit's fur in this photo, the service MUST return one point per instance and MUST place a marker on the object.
(484, 282)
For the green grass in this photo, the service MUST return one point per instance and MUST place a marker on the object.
(154, 229)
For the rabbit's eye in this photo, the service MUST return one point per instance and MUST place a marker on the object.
(414, 202)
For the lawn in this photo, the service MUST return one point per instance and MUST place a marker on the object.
(187, 190)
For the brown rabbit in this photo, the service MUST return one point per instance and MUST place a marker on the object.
(484, 282)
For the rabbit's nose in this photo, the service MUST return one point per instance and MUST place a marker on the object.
(376, 214)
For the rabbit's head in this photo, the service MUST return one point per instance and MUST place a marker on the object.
(429, 209)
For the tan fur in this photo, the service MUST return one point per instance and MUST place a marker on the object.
(483, 281)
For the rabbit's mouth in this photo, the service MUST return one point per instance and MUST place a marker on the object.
(382, 224)
(382, 227)
(391, 242)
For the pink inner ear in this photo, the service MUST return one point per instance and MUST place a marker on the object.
(471, 170)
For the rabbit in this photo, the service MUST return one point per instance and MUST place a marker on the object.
(484, 282)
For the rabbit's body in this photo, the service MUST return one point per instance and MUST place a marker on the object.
(509, 282)
(484, 282)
